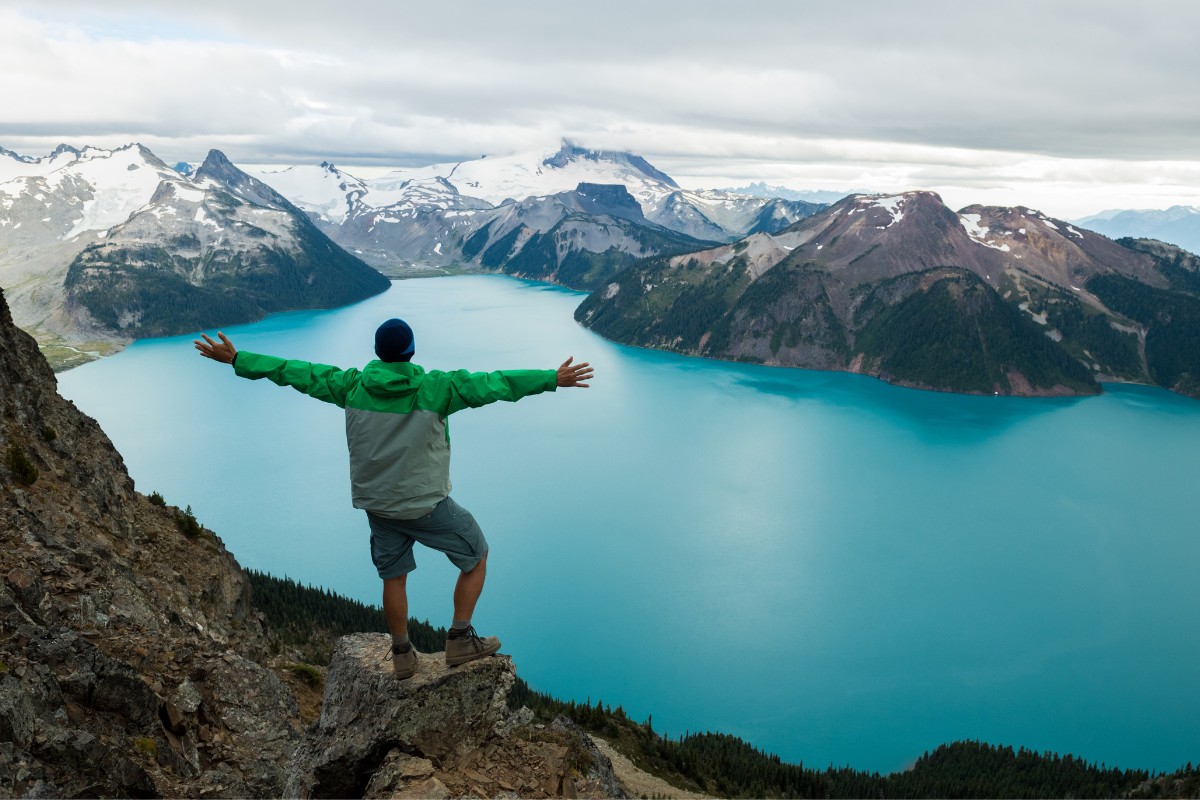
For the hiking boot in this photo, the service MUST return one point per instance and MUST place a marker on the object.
(404, 663)
(466, 645)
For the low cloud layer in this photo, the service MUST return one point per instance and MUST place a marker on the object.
(969, 95)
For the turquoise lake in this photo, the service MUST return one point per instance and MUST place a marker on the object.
(834, 569)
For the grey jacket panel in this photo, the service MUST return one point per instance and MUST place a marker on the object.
(399, 463)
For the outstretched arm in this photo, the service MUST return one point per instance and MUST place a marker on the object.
(574, 374)
(222, 351)
(321, 381)
(450, 392)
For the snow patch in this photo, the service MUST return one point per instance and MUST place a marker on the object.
(611, 290)
(894, 205)
(978, 233)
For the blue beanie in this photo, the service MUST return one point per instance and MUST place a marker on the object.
(394, 341)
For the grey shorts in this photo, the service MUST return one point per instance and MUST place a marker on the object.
(449, 528)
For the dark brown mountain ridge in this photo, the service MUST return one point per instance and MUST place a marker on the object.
(804, 298)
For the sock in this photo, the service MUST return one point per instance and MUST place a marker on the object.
(460, 625)
(400, 644)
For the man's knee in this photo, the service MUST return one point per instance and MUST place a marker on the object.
(398, 582)
(480, 565)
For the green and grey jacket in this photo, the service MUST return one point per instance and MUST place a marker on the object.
(396, 424)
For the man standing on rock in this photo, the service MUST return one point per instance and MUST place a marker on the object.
(399, 442)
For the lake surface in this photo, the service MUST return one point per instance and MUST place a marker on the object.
(837, 570)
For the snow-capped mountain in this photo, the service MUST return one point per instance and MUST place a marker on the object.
(424, 222)
(581, 238)
(423, 217)
(763, 189)
(1177, 225)
(541, 173)
(323, 191)
(705, 214)
(219, 248)
(54, 208)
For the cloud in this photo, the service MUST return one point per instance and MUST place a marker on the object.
(904, 91)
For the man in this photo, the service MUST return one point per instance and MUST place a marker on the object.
(399, 442)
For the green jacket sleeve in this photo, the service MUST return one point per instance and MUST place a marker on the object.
(315, 380)
(462, 389)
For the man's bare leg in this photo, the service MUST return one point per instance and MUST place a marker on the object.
(395, 611)
(395, 606)
(468, 589)
(462, 643)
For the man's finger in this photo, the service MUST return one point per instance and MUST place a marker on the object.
(225, 339)
(211, 343)
(567, 363)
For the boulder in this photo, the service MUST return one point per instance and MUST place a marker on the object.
(440, 714)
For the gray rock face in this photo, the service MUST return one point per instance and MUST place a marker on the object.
(445, 732)
(440, 714)
(126, 648)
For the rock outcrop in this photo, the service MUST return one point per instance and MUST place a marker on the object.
(445, 732)
(129, 649)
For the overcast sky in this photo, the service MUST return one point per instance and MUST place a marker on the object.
(1070, 107)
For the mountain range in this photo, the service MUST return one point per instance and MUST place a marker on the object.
(99, 247)
(983, 300)
(103, 246)
(424, 217)
(1177, 225)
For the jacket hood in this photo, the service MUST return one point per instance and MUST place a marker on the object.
(391, 378)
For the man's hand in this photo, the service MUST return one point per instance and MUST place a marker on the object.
(574, 375)
(222, 351)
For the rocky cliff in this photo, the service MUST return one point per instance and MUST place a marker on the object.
(129, 649)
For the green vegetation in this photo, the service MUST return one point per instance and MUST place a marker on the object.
(312, 618)
(1092, 333)
(24, 471)
(686, 303)
(187, 523)
(146, 745)
(157, 499)
(727, 766)
(958, 334)
(1178, 266)
(790, 301)
(307, 673)
(49, 434)
(1172, 321)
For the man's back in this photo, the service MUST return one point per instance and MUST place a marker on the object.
(396, 426)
